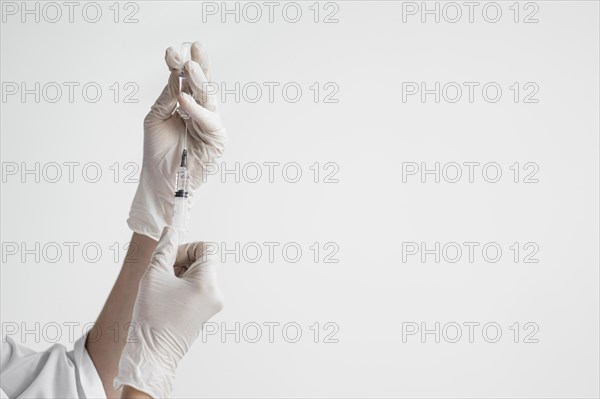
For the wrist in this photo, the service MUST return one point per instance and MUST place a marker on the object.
(148, 369)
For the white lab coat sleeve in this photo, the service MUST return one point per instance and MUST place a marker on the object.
(54, 373)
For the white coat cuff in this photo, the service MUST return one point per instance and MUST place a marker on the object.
(88, 376)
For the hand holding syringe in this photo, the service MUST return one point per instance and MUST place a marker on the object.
(183, 117)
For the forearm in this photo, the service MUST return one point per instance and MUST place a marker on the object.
(106, 347)
(132, 393)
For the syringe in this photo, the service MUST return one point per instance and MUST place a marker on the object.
(181, 196)
(182, 177)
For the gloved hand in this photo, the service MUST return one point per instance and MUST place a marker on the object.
(164, 132)
(168, 315)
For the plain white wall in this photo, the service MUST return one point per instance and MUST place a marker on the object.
(367, 135)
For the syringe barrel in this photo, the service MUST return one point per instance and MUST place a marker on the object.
(181, 197)
(180, 216)
(182, 182)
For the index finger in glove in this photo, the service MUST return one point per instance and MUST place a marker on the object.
(207, 120)
(201, 272)
(183, 260)
(192, 252)
(200, 55)
(201, 87)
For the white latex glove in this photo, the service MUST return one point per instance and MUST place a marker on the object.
(164, 132)
(168, 315)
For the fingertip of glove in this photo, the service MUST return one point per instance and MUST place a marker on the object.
(168, 233)
(199, 47)
(172, 58)
(184, 98)
(198, 251)
(191, 66)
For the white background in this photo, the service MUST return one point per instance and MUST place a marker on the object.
(369, 133)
